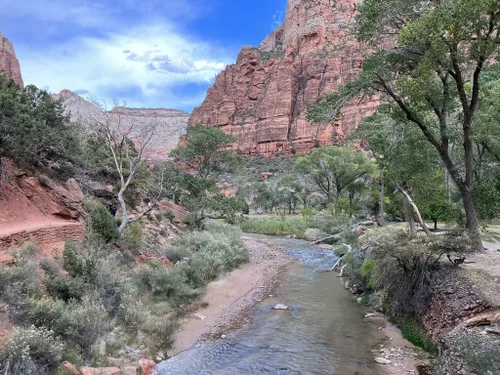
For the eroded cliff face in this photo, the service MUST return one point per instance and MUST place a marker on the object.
(263, 98)
(170, 124)
(9, 65)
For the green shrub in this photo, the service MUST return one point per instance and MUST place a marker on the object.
(31, 351)
(131, 240)
(276, 226)
(418, 336)
(102, 223)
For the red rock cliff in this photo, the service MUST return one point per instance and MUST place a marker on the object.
(9, 64)
(263, 98)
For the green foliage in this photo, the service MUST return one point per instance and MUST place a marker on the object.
(417, 335)
(276, 226)
(132, 238)
(334, 169)
(102, 223)
(204, 151)
(31, 351)
(35, 131)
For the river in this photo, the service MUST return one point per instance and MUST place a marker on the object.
(324, 333)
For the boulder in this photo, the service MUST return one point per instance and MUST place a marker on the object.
(7, 260)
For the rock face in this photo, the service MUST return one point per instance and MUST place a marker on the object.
(262, 99)
(170, 123)
(9, 64)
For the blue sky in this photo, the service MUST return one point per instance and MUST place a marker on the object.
(150, 53)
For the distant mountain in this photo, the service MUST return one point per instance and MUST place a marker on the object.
(170, 123)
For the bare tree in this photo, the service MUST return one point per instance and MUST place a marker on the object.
(128, 143)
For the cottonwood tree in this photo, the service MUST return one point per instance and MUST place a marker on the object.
(128, 142)
(334, 169)
(434, 71)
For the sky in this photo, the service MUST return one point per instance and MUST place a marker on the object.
(148, 53)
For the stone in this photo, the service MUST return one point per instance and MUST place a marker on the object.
(102, 348)
(280, 306)
(9, 64)
(262, 100)
(7, 260)
(383, 361)
(148, 366)
(200, 316)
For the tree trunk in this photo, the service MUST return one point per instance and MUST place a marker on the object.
(123, 206)
(414, 211)
(382, 200)
(473, 227)
(412, 228)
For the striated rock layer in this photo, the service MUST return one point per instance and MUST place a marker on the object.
(170, 123)
(9, 64)
(263, 98)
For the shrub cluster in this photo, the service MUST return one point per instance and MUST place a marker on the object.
(63, 307)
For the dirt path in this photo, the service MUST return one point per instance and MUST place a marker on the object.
(230, 297)
(47, 234)
(484, 271)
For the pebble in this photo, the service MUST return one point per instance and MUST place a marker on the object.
(383, 361)
(280, 306)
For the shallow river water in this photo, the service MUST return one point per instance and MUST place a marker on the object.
(323, 334)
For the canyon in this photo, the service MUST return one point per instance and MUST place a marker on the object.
(9, 64)
(262, 100)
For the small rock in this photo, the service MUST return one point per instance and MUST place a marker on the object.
(493, 330)
(383, 361)
(280, 306)
(223, 336)
(200, 316)
(148, 366)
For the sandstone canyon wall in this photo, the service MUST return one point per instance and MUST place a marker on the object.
(262, 99)
(9, 65)
(170, 123)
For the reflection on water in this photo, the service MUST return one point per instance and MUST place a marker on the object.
(323, 334)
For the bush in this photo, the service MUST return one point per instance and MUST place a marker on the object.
(102, 223)
(417, 335)
(132, 238)
(313, 234)
(275, 226)
(406, 268)
(31, 351)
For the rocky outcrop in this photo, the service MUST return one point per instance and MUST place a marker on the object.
(170, 123)
(9, 65)
(262, 99)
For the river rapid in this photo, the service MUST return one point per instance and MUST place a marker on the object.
(324, 333)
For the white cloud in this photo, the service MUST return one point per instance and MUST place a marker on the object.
(152, 59)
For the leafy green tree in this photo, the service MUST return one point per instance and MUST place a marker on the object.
(35, 132)
(334, 169)
(205, 153)
(433, 74)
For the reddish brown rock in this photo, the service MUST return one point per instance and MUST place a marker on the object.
(9, 65)
(7, 260)
(148, 366)
(263, 98)
(179, 214)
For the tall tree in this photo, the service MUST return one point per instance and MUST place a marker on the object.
(333, 169)
(434, 70)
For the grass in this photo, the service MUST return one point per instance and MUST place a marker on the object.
(416, 334)
(276, 226)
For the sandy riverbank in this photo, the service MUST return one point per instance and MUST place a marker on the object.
(229, 298)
